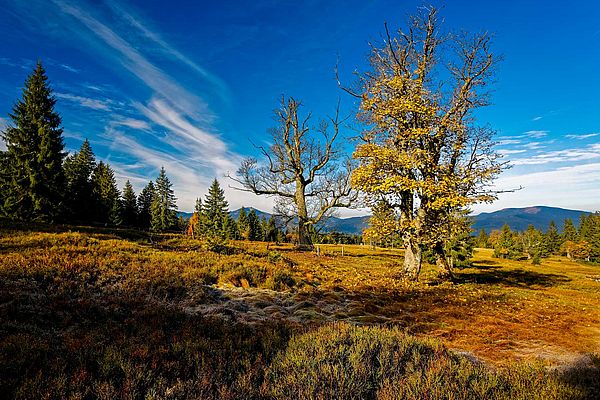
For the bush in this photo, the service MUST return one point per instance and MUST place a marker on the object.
(349, 362)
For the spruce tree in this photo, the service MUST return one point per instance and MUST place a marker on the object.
(552, 240)
(215, 210)
(242, 223)
(35, 180)
(164, 207)
(483, 240)
(271, 230)
(129, 206)
(505, 246)
(78, 169)
(144, 201)
(230, 228)
(569, 232)
(254, 228)
(106, 194)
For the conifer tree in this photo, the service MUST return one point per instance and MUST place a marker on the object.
(271, 230)
(569, 232)
(34, 183)
(215, 210)
(78, 169)
(144, 205)
(552, 240)
(129, 203)
(242, 223)
(254, 231)
(483, 240)
(163, 210)
(505, 246)
(230, 228)
(107, 203)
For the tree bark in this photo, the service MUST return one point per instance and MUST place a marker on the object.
(412, 259)
(442, 263)
(304, 242)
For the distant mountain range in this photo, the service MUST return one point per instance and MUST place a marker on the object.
(517, 218)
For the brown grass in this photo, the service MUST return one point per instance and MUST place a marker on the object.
(99, 312)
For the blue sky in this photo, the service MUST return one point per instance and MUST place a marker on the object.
(191, 85)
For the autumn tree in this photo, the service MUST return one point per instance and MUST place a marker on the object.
(423, 151)
(383, 223)
(303, 169)
(32, 173)
(163, 211)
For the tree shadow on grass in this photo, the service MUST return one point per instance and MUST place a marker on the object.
(491, 274)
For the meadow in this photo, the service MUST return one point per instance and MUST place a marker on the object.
(115, 313)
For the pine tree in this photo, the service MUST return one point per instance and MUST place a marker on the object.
(107, 203)
(78, 169)
(230, 228)
(569, 232)
(589, 231)
(271, 230)
(144, 203)
(531, 242)
(505, 246)
(35, 179)
(552, 239)
(242, 223)
(483, 240)
(129, 210)
(215, 211)
(163, 210)
(254, 231)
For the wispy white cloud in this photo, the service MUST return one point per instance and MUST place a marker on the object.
(132, 123)
(537, 118)
(578, 188)
(511, 151)
(94, 104)
(559, 156)
(582, 136)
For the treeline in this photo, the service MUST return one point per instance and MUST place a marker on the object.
(581, 243)
(211, 220)
(40, 182)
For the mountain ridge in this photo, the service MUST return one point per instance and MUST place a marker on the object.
(518, 218)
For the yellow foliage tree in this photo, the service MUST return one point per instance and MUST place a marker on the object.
(423, 152)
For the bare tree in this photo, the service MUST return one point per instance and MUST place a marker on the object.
(303, 169)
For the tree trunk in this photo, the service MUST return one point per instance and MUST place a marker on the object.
(442, 263)
(304, 242)
(412, 259)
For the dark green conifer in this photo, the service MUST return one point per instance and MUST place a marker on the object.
(78, 169)
(164, 207)
(129, 206)
(34, 181)
(106, 194)
(215, 210)
(144, 205)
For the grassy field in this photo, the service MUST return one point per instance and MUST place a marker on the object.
(92, 313)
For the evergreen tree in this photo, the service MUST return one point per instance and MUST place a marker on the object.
(552, 240)
(215, 210)
(163, 210)
(144, 204)
(589, 231)
(230, 228)
(270, 230)
(483, 240)
(106, 195)
(531, 242)
(34, 181)
(569, 232)
(129, 210)
(505, 246)
(78, 169)
(254, 228)
(242, 223)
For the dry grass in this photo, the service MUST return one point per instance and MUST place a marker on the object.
(96, 313)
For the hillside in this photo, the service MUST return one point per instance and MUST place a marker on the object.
(517, 218)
